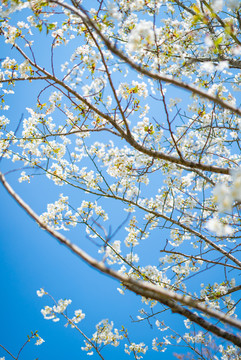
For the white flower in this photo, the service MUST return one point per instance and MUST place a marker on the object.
(217, 5)
(208, 41)
(141, 35)
(56, 96)
(79, 315)
(113, 11)
(39, 341)
(137, 348)
(219, 228)
(222, 65)
(41, 292)
(236, 185)
(24, 177)
(120, 291)
(236, 50)
(9, 63)
(223, 197)
(137, 5)
(208, 67)
(187, 323)
(62, 305)
(47, 312)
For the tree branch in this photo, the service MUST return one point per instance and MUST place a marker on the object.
(127, 136)
(171, 80)
(164, 296)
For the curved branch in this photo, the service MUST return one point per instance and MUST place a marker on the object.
(164, 296)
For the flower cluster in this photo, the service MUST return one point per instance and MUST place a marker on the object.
(39, 341)
(218, 227)
(111, 252)
(50, 313)
(104, 335)
(226, 195)
(58, 213)
(137, 349)
(141, 36)
(79, 315)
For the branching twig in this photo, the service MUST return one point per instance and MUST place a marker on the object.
(149, 291)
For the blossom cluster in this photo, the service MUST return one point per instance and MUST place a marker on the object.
(226, 195)
(141, 35)
(51, 313)
(104, 335)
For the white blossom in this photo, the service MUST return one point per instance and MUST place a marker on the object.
(39, 341)
(141, 34)
(140, 348)
(216, 226)
(224, 197)
(217, 5)
(41, 292)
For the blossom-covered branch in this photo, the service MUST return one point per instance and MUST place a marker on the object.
(166, 297)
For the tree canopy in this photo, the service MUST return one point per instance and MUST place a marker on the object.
(137, 120)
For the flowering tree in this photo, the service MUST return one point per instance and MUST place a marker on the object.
(106, 125)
